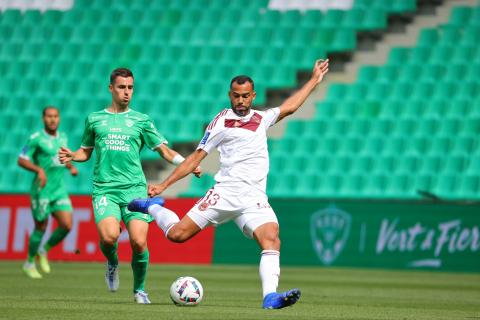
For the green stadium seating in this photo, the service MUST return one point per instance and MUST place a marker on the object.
(368, 139)
(415, 135)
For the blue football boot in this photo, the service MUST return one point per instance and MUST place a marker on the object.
(278, 300)
(142, 205)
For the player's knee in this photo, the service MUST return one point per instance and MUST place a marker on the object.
(270, 242)
(138, 245)
(177, 235)
(109, 239)
(66, 225)
(41, 225)
(274, 242)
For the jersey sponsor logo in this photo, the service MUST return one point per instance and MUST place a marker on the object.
(329, 229)
(252, 124)
(115, 129)
(205, 137)
(117, 142)
(129, 123)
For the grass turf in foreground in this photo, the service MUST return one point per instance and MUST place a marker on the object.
(78, 291)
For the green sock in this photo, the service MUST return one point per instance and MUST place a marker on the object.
(139, 267)
(34, 243)
(110, 252)
(55, 238)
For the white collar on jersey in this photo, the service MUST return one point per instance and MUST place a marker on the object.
(128, 110)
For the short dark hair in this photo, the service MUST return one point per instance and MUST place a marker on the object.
(47, 108)
(241, 79)
(120, 72)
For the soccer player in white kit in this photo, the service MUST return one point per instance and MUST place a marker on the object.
(239, 133)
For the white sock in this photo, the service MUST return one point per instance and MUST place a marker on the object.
(269, 271)
(165, 218)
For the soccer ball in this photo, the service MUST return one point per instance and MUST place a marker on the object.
(186, 291)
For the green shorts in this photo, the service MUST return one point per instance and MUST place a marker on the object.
(113, 203)
(42, 206)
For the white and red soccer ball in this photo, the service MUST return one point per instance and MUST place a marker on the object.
(186, 291)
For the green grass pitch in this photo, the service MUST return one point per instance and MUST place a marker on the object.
(78, 291)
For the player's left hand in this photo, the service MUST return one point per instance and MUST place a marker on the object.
(73, 171)
(197, 172)
(319, 70)
(154, 189)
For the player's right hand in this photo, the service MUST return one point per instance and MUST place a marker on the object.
(154, 189)
(65, 155)
(41, 178)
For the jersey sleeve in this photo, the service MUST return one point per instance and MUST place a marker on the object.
(151, 136)
(271, 116)
(88, 138)
(214, 134)
(29, 148)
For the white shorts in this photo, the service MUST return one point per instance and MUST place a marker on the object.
(249, 209)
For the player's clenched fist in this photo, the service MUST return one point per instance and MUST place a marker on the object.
(154, 189)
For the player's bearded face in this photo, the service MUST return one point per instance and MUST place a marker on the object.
(241, 98)
(51, 119)
(122, 90)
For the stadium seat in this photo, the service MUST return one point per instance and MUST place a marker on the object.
(359, 127)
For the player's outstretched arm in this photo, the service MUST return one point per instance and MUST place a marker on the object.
(30, 166)
(66, 155)
(175, 158)
(185, 168)
(294, 102)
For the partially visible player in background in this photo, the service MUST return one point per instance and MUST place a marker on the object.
(118, 134)
(47, 194)
(239, 134)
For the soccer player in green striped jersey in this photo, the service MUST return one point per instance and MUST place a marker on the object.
(117, 134)
(47, 194)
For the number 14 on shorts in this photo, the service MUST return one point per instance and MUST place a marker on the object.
(100, 204)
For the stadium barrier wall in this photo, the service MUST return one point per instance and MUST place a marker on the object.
(81, 244)
(373, 234)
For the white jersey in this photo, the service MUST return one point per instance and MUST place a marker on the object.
(242, 143)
